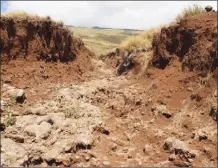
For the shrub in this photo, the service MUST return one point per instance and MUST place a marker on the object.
(190, 11)
(10, 119)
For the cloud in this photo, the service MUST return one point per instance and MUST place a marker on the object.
(116, 14)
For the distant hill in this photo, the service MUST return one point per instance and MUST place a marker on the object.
(96, 27)
(69, 26)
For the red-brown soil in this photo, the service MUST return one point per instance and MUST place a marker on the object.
(193, 40)
(35, 53)
(38, 39)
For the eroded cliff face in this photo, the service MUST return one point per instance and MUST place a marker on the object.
(40, 39)
(193, 40)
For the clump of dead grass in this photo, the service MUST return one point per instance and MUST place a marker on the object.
(143, 40)
(24, 15)
(61, 24)
(20, 15)
(190, 11)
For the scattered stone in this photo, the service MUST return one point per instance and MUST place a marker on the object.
(106, 163)
(2, 127)
(36, 160)
(178, 147)
(190, 89)
(171, 144)
(213, 111)
(87, 158)
(215, 93)
(113, 146)
(101, 129)
(51, 154)
(65, 145)
(18, 94)
(200, 135)
(151, 121)
(39, 131)
(94, 162)
(84, 140)
(197, 97)
(161, 109)
(167, 114)
(180, 163)
(144, 50)
(126, 53)
(8, 79)
(25, 120)
(159, 133)
(40, 110)
(147, 148)
(65, 158)
(3, 104)
(139, 49)
(12, 154)
(58, 119)
(172, 157)
(16, 138)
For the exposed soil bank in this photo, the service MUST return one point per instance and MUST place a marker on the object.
(39, 39)
(193, 40)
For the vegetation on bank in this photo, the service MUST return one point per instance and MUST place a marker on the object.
(190, 11)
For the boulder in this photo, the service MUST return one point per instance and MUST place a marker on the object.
(208, 8)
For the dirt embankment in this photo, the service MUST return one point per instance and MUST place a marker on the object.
(40, 39)
(193, 40)
(42, 51)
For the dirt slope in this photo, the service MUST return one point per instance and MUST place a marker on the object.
(193, 40)
(40, 39)
(40, 51)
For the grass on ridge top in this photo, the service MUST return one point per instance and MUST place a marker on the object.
(29, 16)
(21, 15)
(190, 11)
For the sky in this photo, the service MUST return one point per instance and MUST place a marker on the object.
(114, 14)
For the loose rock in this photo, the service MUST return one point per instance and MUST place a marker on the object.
(18, 94)
(161, 109)
(11, 153)
(16, 138)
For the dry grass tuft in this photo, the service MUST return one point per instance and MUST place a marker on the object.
(190, 11)
(20, 15)
(143, 40)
